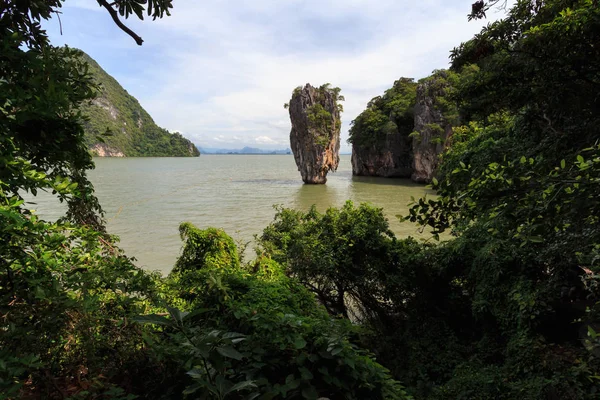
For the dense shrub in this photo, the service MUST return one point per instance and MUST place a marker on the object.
(253, 331)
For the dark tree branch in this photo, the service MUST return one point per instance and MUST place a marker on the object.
(59, 21)
(479, 8)
(115, 16)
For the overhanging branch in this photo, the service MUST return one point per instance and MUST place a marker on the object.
(115, 16)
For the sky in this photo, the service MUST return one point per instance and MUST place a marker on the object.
(219, 71)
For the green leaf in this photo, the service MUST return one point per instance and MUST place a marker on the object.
(39, 293)
(336, 351)
(562, 164)
(241, 386)
(535, 239)
(233, 335)
(198, 311)
(306, 374)
(196, 373)
(299, 343)
(193, 388)
(230, 352)
(310, 393)
(176, 314)
(152, 319)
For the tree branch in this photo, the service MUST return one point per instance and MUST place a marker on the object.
(115, 17)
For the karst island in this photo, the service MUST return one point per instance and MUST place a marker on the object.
(315, 134)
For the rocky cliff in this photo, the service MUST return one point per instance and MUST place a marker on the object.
(402, 133)
(315, 135)
(381, 145)
(390, 159)
(104, 150)
(132, 132)
(434, 117)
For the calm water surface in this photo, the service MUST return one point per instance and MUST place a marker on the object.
(146, 199)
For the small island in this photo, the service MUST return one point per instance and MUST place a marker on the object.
(315, 134)
(402, 133)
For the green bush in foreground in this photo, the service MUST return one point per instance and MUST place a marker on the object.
(67, 297)
(476, 317)
(252, 332)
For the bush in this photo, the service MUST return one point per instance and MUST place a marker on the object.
(253, 331)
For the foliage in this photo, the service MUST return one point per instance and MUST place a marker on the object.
(479, 8)
(440, 88)
(66, 295)
(538, 149)
(323, 112)
(339, 255)
(519, 187)
(514, 294)
(253, 331)
(550, 46)
(507, 308)
(39, 125)
(66, 290)
(357, 268)
(389, 114)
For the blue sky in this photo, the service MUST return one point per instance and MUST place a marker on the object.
(219, 71)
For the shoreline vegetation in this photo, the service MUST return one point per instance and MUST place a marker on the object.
(333, 306)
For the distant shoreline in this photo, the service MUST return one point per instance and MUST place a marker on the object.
(256, 154)
(246, 154)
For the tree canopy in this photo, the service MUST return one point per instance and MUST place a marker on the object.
(391, 113)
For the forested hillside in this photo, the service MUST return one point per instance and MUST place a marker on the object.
(131, 130)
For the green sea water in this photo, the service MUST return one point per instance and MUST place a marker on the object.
(145, 199)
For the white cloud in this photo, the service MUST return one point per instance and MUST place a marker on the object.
(264, 140)
(223, 69)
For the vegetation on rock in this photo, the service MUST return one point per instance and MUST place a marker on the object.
(519, 188)
(436, 113)
(315, 134)
(115, 120)
(390, 114)
(322, 123)
(402, 133)
(381, 144)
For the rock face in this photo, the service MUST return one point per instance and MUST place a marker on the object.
(132, 130)
(392, 160)
(432, 128)
(104, 150)
(380, 135)
(315, 134)
(402, 133)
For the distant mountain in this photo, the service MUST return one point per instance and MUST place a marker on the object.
(245, 150)
(132, 130)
